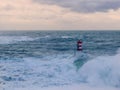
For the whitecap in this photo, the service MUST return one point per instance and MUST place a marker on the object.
(14, 39)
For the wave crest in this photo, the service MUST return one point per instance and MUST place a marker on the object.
(103, 70)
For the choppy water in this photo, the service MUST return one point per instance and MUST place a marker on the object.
(49, 58)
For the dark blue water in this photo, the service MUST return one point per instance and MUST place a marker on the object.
(94, 42)
(43, 57)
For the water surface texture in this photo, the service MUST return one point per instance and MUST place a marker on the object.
(49, 58)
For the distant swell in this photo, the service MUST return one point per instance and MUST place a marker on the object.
(14, 39)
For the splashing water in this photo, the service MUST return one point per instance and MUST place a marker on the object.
(46, 59)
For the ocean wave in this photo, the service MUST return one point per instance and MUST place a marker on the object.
(102, 71)
(57, 70)
(48, 71)
(66, 37)
(14, 39)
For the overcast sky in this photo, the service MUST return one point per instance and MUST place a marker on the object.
(59, 15)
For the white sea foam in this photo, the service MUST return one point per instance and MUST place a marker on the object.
(58, 70)
(67, 87)
(66, 37)
(55, 70)
(50, 71)
(14, 39)
(102, 71)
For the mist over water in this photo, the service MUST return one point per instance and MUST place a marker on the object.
(45, 59)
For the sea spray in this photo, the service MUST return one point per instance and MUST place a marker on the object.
(103, 70)
(46, 59)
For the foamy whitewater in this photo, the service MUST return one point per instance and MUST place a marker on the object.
(44, 60)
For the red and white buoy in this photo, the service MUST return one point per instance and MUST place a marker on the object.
(79, 45)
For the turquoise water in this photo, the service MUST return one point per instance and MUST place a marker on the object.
(49, 58)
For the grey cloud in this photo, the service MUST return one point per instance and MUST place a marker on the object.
(7, 8)
(85, 5)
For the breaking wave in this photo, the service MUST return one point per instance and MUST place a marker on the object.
(48, 71)
(102, 71)
(60, 70)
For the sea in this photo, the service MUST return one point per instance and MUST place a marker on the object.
(45, 59)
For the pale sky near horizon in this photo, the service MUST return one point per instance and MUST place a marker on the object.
(59, 15)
